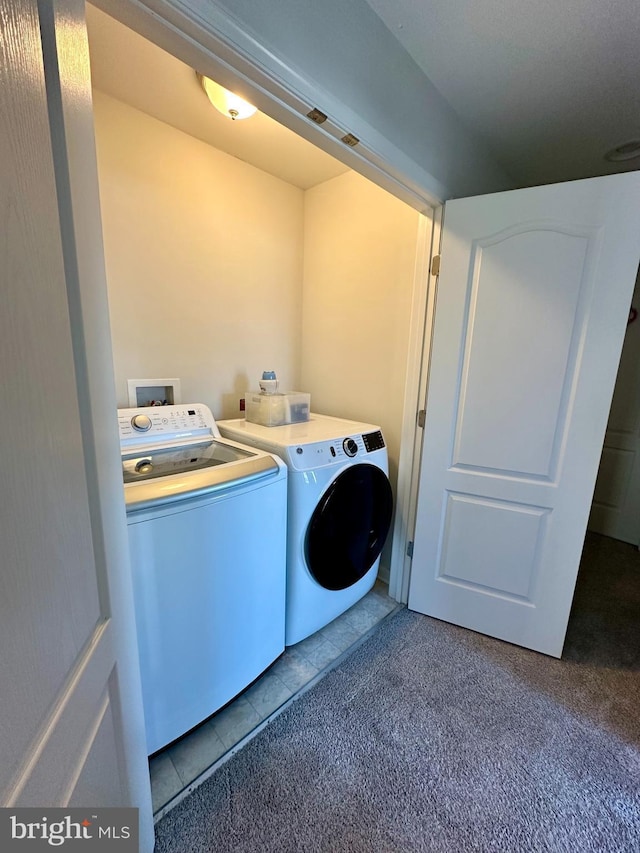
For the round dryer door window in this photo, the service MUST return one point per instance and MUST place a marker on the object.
(349, 527)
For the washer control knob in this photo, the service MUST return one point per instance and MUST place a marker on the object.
(350, 447)
(141, 422)
(144, 466)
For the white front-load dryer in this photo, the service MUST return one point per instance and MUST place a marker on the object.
(339, 512)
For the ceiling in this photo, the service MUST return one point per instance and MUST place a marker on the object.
(551, 85)
(128, 67)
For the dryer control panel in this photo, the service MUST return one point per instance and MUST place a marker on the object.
(373, 441)
(318, 454)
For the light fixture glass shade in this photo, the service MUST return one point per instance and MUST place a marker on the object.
(226, 102)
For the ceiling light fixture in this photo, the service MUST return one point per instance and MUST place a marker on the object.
(627, 151)
(226, 102)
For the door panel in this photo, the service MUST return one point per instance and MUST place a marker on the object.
(101, 765)
(537, 368)
(498, 548)
(66, 668)
(532, 301)
(85, 698)
(46, 569)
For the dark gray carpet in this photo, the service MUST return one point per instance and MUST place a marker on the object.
(433, 738)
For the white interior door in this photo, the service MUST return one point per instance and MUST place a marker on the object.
(71, 731)
(616, 501)
(531, 310)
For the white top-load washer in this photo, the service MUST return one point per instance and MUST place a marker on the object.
(340, 507)
(207, 532)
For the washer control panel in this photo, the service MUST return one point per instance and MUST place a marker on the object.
(317, 454)
(161, 424)
(141, 423)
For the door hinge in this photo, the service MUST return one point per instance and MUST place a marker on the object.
(435, 265)
(317, 115)
(350, 140)
(410, 550)
(421, 418)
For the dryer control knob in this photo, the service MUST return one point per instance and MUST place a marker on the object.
(141, 422)
(350, 447)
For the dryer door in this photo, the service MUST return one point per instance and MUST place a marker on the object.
(349, 526)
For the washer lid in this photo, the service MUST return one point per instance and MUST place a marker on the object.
(156, 491)
(194, 457)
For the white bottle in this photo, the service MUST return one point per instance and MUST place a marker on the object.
(269, 382)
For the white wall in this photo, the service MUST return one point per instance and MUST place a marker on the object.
(360, 251)
(217, 271)
(204, 261)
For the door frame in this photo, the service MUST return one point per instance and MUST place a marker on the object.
(219, 48)
(415, 399)
(599, 519)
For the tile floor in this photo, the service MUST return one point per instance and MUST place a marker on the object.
(176, 767)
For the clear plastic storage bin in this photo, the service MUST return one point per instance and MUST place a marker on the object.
(277, 409)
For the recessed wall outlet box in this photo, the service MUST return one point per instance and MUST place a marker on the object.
(153, 392)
